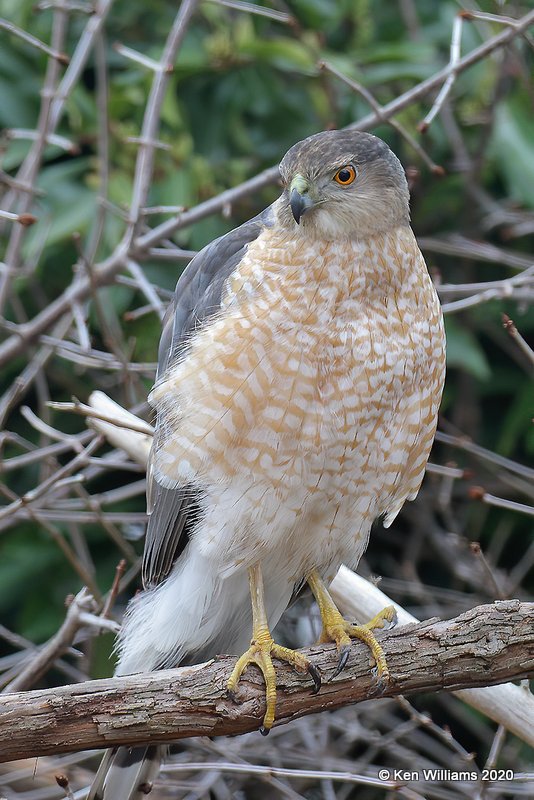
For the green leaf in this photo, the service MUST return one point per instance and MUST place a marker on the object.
(517, 421)
(464, 352)
(66, 207)
(511, 146)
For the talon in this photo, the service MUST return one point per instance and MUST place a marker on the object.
(265, 731)
(339, 630)
(316, 678)
(386, 619)
(381, 685)
(342, 661)
(232, 695)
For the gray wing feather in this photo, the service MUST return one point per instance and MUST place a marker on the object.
(197, 298)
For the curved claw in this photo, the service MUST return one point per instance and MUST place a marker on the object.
(316, 678)
(342, 661)
(382, 683)
(232, 695)
(378, 689)
(265, 731)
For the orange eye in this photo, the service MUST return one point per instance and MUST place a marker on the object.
(346, 175)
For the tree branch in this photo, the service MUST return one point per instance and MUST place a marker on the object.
(487, 645)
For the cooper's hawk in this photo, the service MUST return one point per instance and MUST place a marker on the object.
(300, 372)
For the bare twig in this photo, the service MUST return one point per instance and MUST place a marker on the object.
(138, 58)
(366, 94)
(63, 782)
(128, 421)
(447, 86)
(255, 769)
(458, 245)
(478, 493)
(27, 174)
(35, 494)
(262, 11)
(113, 592)
(38, 664)
(22, 219)
(479, 553)
(33, 41)
(50, 138)
(149, 130)
(464, 443)
(509, 326)
(147, 289)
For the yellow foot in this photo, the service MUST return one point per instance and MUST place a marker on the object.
(337, 629)
(340, 631)
(261, 652)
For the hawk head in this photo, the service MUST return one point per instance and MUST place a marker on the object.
(343, 184)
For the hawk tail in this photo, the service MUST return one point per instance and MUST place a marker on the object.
(189, 618)
(186, 619)
(126, 773)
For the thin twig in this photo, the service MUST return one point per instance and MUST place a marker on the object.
(147, 288)
(50, 138)
(39, 491)
(77, 617)
(476, 549)
(306, 774)
(451, 78)
(27, 173)
(133, 423)
(509, 326)
(366, 94)
(149, 131)
(138, 58)
(113, 592)
(478, 493)
(464, 443)
(22, 219)
(62, 58)
(262, 11)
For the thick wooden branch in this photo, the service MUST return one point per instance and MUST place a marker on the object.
(488, 645)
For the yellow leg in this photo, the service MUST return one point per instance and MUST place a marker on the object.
(337, 629)
(263, 649)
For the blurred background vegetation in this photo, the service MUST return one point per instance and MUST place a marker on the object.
(244, 88)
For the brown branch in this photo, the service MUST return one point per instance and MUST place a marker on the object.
(485, 646)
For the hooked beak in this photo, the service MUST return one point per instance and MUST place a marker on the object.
(299, 198)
